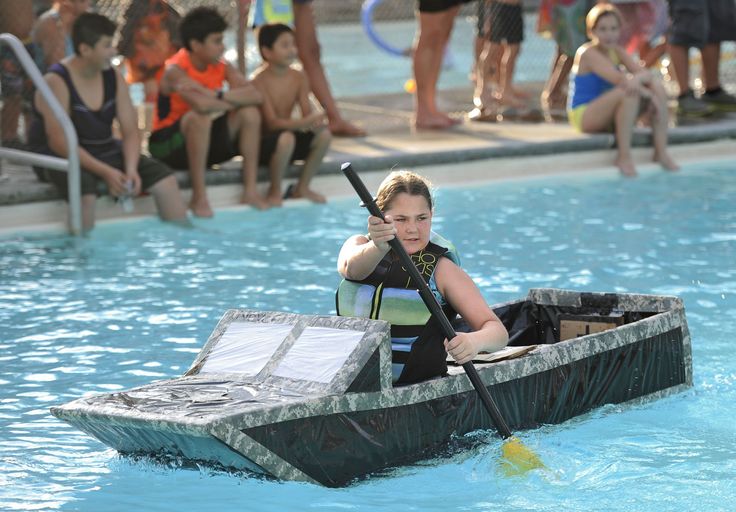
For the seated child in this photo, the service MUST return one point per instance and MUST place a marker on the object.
(286, 139)
(95, 95)
(607, 88)
(200, 122)
(149, 36)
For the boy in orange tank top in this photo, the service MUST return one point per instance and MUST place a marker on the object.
(207, 112)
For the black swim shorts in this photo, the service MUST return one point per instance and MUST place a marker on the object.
(168, 145)
(151, 172)
(439, 5)
(507, 23)
(698, 23)
(301, 148)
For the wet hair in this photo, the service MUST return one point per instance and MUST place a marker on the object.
(269, 33)
(198, 23)
(402, 182)
(89, 28)
(599, 11)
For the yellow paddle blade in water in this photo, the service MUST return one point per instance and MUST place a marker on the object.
(517, 458)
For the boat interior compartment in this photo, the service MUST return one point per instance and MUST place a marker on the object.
(532, 322)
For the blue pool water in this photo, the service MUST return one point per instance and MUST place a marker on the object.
(135, 302)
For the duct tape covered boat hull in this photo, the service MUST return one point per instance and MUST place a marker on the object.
(357, 423)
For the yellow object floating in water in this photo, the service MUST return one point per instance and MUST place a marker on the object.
(410, 86)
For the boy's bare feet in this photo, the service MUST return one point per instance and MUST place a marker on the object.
(343, 128)
(483, 97)
(626, 166)
(484, 114)
(274, 198)
(255, 200)
(306, 193)
(667, 162)
(201, 208)
(510, 100)
(453, 121)
(434, 121)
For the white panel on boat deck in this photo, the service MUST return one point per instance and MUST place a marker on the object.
(318, 354)
(245, 347)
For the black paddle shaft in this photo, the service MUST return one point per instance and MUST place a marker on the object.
(429, 300)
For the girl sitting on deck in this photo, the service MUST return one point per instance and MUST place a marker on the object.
(607, 88)
(376, 286)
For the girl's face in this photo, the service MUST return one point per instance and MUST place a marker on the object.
(413, 220)
(607, 31)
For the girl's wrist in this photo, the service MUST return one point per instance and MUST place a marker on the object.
(383, 249)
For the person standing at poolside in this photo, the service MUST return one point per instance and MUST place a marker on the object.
(286, 139)
(376, 285)
(94, 95)
(198, 121)
(497, 62)
(16, 18)
(607, 89)
(703, 24)
(52, 32)
(563, 21)
(436, 19)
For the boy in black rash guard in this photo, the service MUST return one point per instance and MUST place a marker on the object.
(94, 94)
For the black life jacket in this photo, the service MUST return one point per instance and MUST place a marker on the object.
(418, 351)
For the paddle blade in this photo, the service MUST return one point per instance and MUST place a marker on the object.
(517, 458)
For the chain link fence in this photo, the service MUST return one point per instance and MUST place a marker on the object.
(366, 43)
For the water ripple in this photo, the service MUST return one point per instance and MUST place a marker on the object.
(128, 306)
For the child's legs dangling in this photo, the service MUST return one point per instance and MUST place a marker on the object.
(277, 165)
(617, 107)
(626, 114)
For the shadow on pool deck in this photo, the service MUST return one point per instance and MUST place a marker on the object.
(392, 143)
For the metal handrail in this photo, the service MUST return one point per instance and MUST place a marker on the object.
(71, 163)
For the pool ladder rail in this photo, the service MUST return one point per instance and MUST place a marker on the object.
(70, 165)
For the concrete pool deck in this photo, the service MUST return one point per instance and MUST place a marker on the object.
(517, 149)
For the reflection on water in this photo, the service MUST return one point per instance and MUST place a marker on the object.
(135, 301)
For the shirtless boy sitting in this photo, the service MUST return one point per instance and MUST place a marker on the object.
(286, 139)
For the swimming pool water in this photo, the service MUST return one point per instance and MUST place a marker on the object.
(135, 302)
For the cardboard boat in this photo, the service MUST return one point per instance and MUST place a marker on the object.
(310, 398)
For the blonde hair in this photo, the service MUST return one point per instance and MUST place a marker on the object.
(599, 11)
(403, 182)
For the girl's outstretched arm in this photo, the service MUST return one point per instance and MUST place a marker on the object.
(360, 254)
(489, 334)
